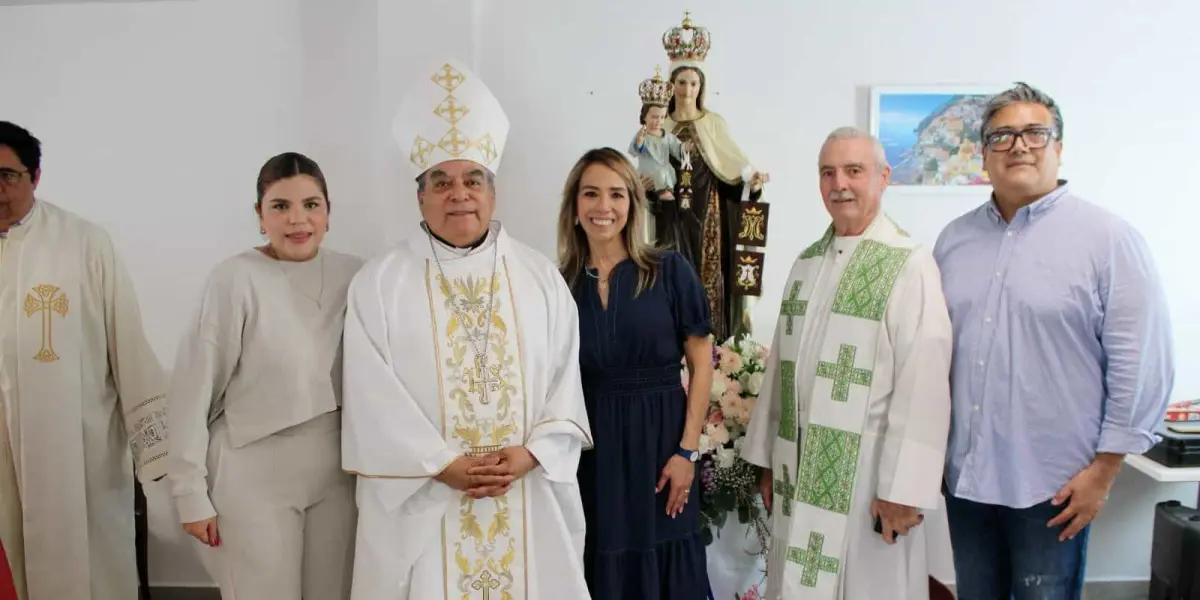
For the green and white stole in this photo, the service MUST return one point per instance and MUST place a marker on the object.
(814, 483)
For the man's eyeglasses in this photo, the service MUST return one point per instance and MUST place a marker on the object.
(1002, 140)
(10, 176)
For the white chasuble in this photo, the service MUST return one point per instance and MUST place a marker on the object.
(856, 408)
(451, 353)
(84, 405)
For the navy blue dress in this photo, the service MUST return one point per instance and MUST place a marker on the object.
(630, 361)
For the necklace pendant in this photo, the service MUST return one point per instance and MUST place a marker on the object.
(479, 379)
(482, 379)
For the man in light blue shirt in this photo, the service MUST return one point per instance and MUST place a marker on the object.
(1062, 362)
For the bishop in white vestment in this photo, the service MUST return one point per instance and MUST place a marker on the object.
(83, 398)
(463, 411)
(854, 412)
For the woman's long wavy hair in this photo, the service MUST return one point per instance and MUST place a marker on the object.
(573, 249)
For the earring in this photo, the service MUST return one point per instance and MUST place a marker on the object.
(262, 231)
(576, 221)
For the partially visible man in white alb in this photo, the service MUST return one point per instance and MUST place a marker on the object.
(79, 386)
(463, 411)
(851, 423)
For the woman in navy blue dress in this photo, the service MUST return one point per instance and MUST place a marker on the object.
(640, 311)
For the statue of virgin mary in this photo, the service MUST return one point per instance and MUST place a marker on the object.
(702, 222)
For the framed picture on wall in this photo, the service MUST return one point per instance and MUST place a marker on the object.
(931, 137)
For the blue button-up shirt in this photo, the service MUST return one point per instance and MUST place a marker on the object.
(1062, 346)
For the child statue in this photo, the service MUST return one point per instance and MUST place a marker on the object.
(653, 146)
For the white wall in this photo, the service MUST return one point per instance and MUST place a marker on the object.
(786, 73)
(156, 117)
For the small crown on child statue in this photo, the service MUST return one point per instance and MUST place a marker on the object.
(686, 42)
(655, 91)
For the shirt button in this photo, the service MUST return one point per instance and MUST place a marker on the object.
(1010, 234)
(997, 273)
(981, 363)
(987, 319)
(976, 407)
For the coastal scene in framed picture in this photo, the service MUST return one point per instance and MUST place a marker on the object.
(931, 136)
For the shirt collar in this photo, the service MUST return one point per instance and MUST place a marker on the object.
(23, 221)
(1033, 209)
(489, 237)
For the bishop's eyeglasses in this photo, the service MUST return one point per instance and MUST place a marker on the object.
(10, 176)
(1003, 139)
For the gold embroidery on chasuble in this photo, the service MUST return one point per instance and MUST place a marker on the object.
(483, 410)
(44, 301)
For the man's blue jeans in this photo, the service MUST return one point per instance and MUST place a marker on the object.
(1002, 553)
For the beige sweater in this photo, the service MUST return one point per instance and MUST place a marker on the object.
(264, 350)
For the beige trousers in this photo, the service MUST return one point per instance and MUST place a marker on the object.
(286, 514)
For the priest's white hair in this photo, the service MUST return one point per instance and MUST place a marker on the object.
(853, 133)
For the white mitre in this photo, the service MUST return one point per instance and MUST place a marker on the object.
(450, 114)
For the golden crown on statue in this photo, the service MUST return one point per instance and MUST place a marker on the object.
(686, 42)
(655, 91)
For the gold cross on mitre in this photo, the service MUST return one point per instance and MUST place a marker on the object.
(447, 77)
(451, 110)
(449, 113)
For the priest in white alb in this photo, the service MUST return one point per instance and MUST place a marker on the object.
(852, 418)
(82, 392)
(463, 411)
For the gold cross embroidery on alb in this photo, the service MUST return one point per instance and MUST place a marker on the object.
(46, 299)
